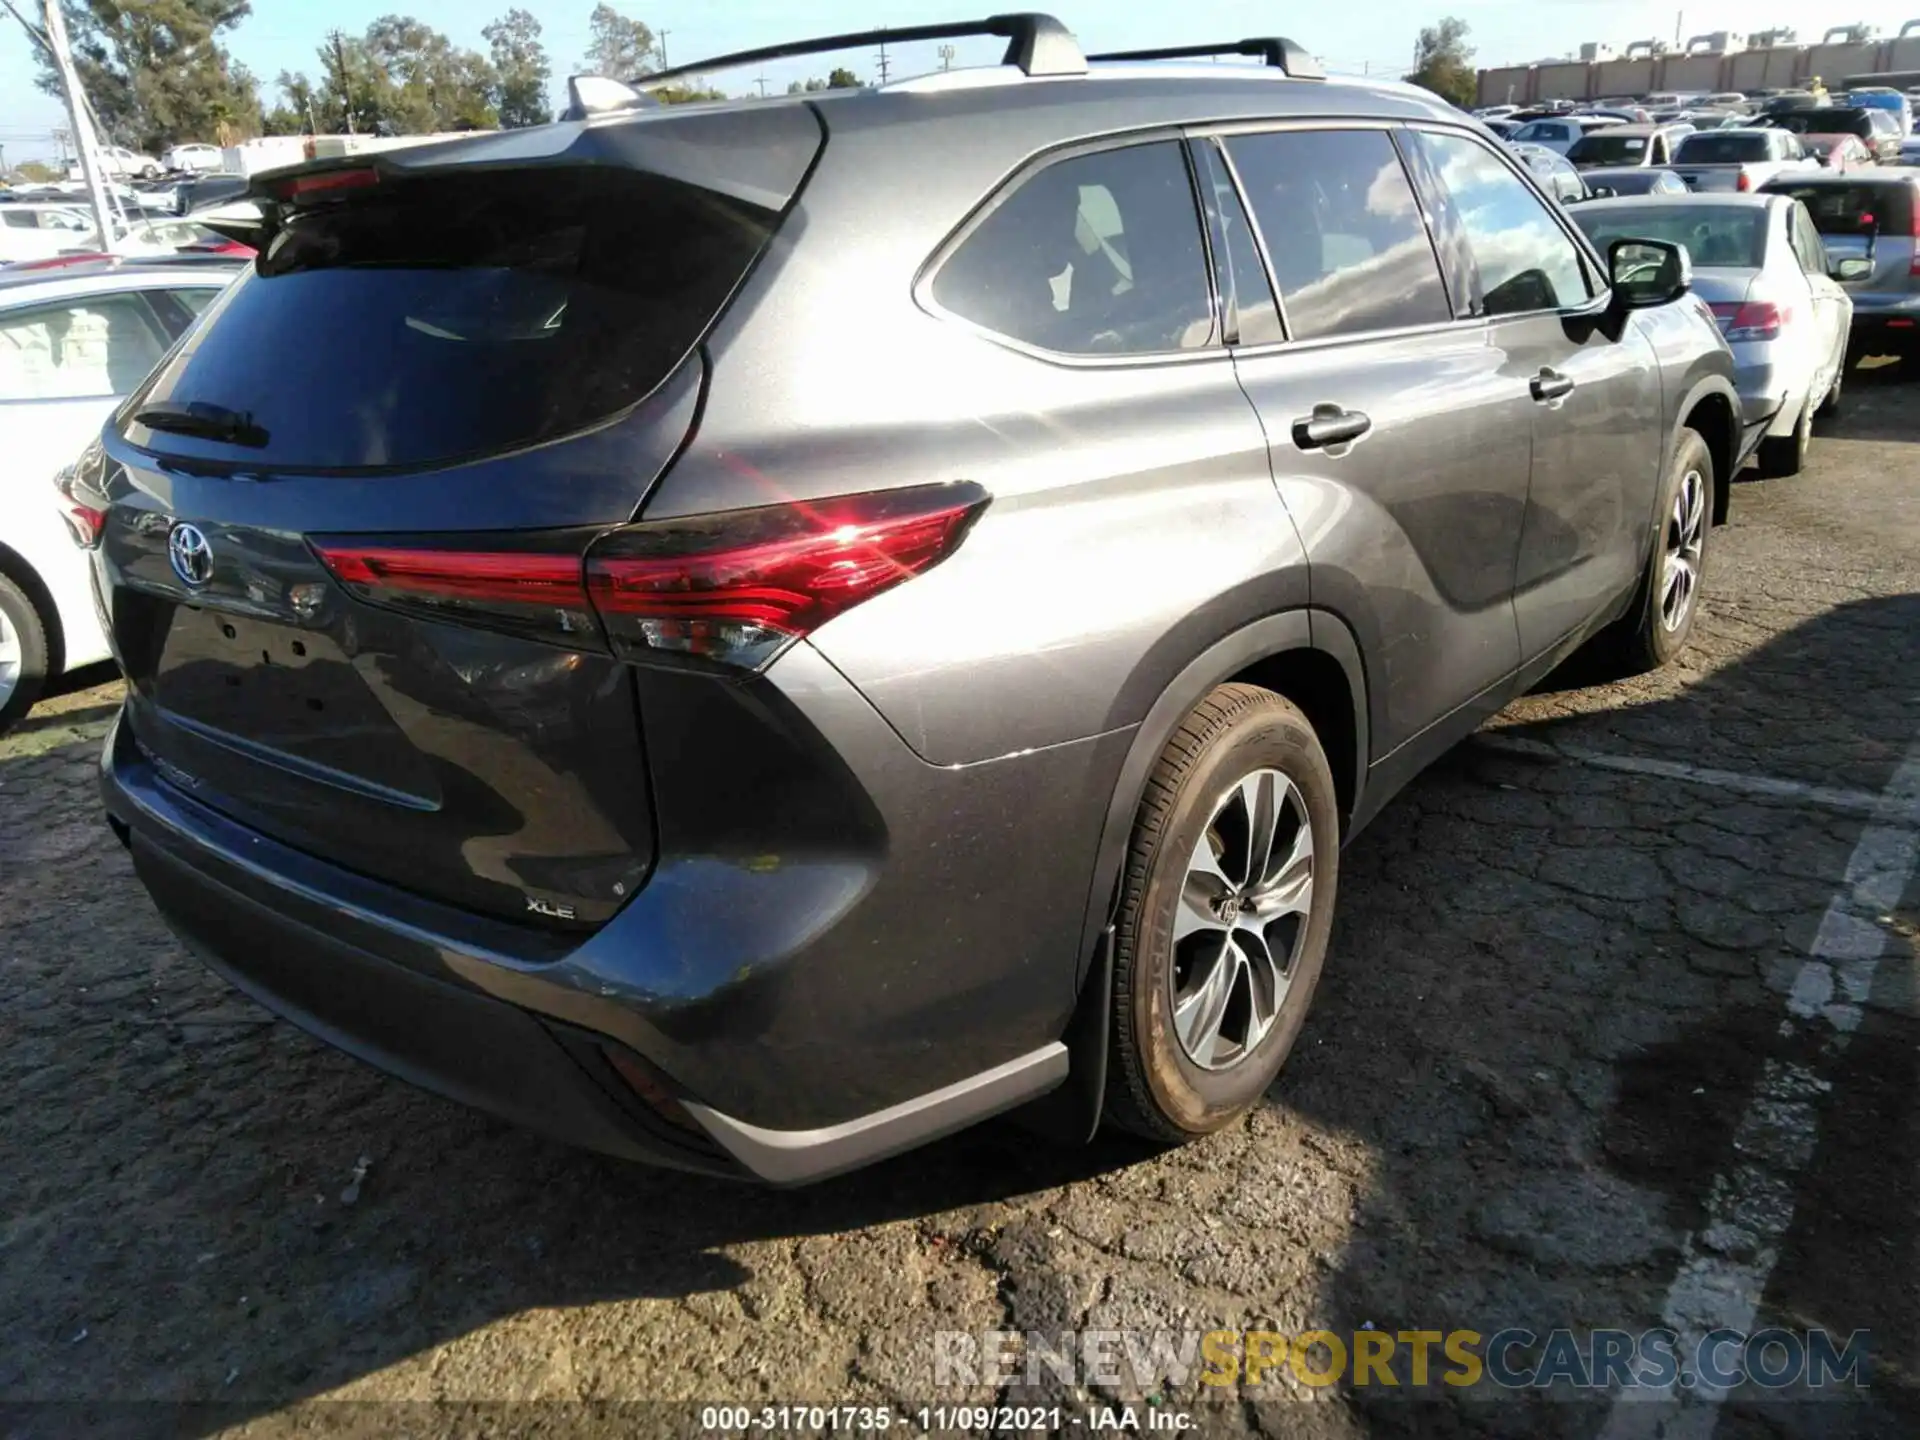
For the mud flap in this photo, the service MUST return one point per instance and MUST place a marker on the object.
(1070, 1114)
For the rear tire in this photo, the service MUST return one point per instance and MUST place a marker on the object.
(23, 654)
(1225, 909)
(1785, 455)
(1654, 631)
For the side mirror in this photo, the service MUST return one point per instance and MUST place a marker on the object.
(1849, 268)
(1646, 273)
(1604, 192)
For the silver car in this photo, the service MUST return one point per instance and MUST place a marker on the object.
(1761, 265)
(1873, 217)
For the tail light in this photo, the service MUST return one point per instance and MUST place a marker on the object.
(84, 511)
(734, 588)
(1743, 181)
(738, 587)
(1753, 320)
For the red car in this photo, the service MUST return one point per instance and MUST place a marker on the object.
(1838, 153)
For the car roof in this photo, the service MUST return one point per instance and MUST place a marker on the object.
(1883, 175)
(1717, 200)
(1601, 172)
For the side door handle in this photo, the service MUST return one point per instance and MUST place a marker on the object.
(1329, 425)
(1551, 385)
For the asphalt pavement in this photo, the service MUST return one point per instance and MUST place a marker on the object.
(1618, 1030)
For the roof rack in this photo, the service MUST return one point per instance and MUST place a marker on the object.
(1276, 50)
(1038, 44)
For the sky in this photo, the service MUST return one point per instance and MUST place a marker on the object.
(1374, 37)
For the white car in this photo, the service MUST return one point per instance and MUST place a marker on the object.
(39, 231)
(72, 343)
(196, 156)
(1559, 132)
(128, 164)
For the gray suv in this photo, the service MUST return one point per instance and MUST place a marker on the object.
(753, 635)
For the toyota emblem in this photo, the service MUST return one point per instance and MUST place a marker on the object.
(190, 555)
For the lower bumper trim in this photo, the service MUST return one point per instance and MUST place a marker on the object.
(796, 1157)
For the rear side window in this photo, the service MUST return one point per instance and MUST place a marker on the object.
(443, 317)
(1343, 231)
(1526, 261)
(1097, 254)
(1725, 148)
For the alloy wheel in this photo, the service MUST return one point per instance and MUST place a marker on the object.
(10, 659)
(1241, 919)
(1686, 539)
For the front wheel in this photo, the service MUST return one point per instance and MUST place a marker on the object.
(1661, 622)
(1225, 911)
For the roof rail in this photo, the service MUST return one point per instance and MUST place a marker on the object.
(1037, 43)
(1275, 50)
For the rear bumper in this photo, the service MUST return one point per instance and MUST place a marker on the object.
(1892, 327)
(785, 1025)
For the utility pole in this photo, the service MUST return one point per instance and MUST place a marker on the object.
(340, 77)
(947, 52)
(761, 81)
(660, 45)
(83, 137)
(881, 58)
(1679, 23)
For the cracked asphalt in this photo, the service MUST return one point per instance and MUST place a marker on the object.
(1553, 988)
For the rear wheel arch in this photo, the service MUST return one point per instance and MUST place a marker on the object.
(15, 567)
(1308, 656)
(1714, 414)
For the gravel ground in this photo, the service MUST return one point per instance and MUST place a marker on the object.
(1555, 990)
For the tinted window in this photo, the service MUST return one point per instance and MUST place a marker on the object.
(1238, 271)
(91, 348)
(1722, 147)
(1806, 243)
(1715, 236)
(1096, 255)
(437, 318)
(1526, 261)
(1602, 148)
(1343, 231)
(1853, 209)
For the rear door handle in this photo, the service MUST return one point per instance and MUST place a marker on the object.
(1551, 385)
(1329, 425)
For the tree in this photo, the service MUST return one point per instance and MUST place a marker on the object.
(402, 77)
(155, 71)
(1443, 62)
(521, 69)
(841, 78)
(37, 172)
(812, 87)
(621, 49)
(686, 94)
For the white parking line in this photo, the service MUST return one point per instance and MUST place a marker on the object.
(1904, 810)
(1726, 1263)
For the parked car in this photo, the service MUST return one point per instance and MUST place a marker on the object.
(719, 655)
(1623, 145)
(118, 160)
(72, 342)
(1838, 153)
(1559, 133)
(1633, 180)
(1738, 160)
(1502, 129)
(1556, 175)
(35, 230)
(1910, 151)
(205, 190)
(1761, 266)
(1872, 217)
(1896, 105)
(195, 156)
(1731, 100)
(1876, 129)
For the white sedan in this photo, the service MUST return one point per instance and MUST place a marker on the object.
(72, 343)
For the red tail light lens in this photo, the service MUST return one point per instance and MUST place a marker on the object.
(295, 186)
(1743, 181)
(1754, 320)
(84, 511)
(736, 588)
(537, 593)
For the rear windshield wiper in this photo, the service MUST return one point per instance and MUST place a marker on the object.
(204, 422)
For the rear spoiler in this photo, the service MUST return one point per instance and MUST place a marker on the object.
(758, 155)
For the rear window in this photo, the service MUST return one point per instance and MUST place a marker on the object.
(1854, 209)
(1604, 149)
(1716, 236)
(1822, 122)
(1724, 148)
(427, 319)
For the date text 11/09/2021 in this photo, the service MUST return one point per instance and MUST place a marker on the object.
(941, 1419)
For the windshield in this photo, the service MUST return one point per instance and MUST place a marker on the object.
(1715, 236)
(1721, 148)
(1602, 148)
